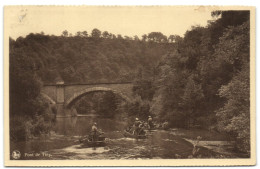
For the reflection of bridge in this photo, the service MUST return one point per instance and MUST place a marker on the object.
(65, 95)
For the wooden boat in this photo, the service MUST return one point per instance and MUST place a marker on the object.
(130, 135)
(87, 141)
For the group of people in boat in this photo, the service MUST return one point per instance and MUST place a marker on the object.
(138, 128)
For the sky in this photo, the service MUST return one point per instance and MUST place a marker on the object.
(128, 21)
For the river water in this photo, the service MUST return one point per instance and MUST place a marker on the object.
(63, 143)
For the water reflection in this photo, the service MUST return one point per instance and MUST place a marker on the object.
(80, 126)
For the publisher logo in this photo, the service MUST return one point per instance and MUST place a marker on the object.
(16, 154)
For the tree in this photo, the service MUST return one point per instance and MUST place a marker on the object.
(109, 104)
(65, 33)
(174, 38)
(79, 34)
(105, 34)
(144, 88)
(25, 85)
(85, 34)
(127, 38)
(144, 37)
(234, 116)
(226, 19)
(138, 108)
(136, 38)
(96, 33)
(119, 36)
(157, 37)
(191, 99)
(170, 81)
(171, 38)
(26, 102)
(113, 36)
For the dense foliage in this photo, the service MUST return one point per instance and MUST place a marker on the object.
(91, 59)
(205, 81)
(30, 114)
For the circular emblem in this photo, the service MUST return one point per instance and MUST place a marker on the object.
(16, 154)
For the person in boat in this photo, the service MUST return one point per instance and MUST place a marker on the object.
(129, 129)
(94, 132)
(165, 125)
(141, 129)
(150, 122)
(136, 126)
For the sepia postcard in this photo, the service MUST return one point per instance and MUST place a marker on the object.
(129, 86)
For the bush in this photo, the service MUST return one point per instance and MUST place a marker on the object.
(27, 127)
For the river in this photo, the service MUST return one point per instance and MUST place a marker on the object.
(63, 143)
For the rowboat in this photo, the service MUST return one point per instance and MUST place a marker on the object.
(130, 135)
(87, 141)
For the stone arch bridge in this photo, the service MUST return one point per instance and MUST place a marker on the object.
(63, 96)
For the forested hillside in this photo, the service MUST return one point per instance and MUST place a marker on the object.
(91, 59)
(205, 81)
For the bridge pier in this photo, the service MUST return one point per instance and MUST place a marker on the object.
(62, 110)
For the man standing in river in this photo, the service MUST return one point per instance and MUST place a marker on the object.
(94, 132)
(150, 123)
(136, 126)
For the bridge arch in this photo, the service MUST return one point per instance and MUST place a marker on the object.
(78, 95)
